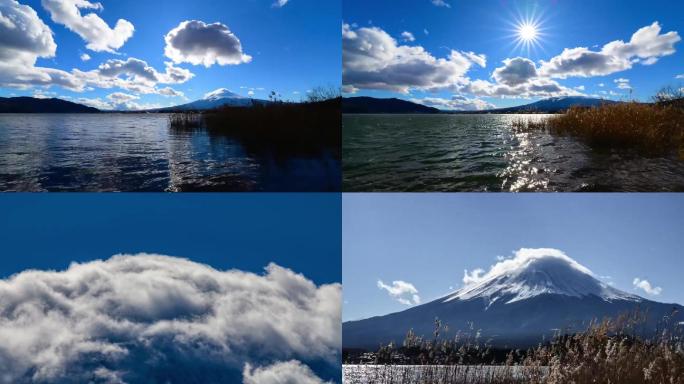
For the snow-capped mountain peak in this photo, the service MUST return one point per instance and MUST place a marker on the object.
(222, 93)
(533, 272)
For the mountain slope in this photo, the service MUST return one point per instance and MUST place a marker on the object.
(218, 98)
(366, 104)
(518, 305)
(35, 105)
(554, 105)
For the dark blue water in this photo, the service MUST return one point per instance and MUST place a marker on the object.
(138, 152)
(485, 153)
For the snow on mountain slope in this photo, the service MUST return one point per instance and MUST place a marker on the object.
(534, 272)
(218, 98)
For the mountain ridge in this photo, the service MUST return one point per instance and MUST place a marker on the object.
(27, 104)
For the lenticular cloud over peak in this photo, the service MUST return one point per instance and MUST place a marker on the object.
(153, 318)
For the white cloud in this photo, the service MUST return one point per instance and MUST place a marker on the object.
(120, 97)
(646, 46)
(280, 3)
(441, 3)
(170, 92)
(622, 83)
(408, 36)
(85, 57)
(289, 372)
(134, 75)
(196, 42)
(25, 38)
(646, 286)
(679, 76)
(95, 31)
(521, 257)
(474, 276)
(456, 103)
(515, 72)
(372, 59)
(580, 88)
(403, 292)
(150, 317)
(601, 85)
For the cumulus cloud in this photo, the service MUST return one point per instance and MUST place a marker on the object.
(372, 59)
(407, 36)
(646, 46)
(25, 38)
(133, 75)
(196, 42)
(401, 291)
(646, 286)
(85, 57)
(289, 372)
(95, 31)
(153, 318)
(521, 258)
(455, 103)
(515, 71)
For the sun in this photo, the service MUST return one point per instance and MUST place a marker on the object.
(527, 32)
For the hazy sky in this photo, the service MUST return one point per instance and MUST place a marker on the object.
(477, 54)
(89, 52)
(243, 231)
(428, 240)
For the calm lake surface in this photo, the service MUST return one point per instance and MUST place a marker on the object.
(139, 152)
(483, 153)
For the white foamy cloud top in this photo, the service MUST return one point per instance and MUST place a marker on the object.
(521, 258)
(152, 318)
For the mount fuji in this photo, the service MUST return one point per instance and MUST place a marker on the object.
(218, 98)
(517, 303)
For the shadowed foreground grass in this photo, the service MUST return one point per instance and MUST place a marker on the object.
(279, 128)
(655, 129)
(607, 352)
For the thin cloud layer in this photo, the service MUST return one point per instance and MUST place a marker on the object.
(152, 318)
(95, 31)
(198, 43)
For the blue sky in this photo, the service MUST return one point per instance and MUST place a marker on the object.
(257, 46)
(456, 54)
(428, 240)
(243, 231)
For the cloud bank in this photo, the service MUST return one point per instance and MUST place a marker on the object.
(153, 318)
(401, 291)
(196, 42)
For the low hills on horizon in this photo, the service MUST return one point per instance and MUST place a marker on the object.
(351, 105)
(370, 105)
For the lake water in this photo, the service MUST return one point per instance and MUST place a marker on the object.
(483, 153)
(139, 152)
